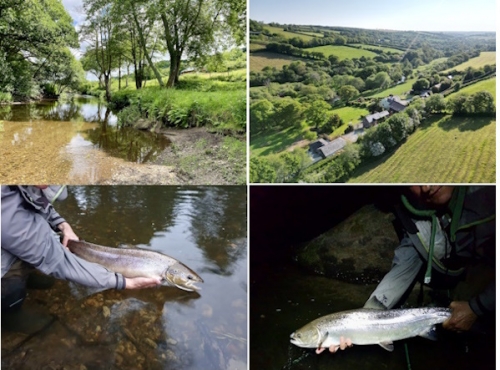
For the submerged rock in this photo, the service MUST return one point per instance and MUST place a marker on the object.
(143, 124)
(358, 250)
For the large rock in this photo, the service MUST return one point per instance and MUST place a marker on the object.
(360, 249)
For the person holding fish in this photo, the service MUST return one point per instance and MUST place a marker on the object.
(28, 241)
(446, 230)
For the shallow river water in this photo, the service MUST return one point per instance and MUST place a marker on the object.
(156, 328)
(75, 141)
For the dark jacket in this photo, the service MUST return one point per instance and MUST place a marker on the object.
(473, 238)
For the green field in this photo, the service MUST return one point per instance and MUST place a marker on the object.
(255, 46)
(264, 59)
(385, 49)
(444, 149)
(313, 34)
(348, 114)
(343, 52)
(431, 64)
(488, 85)
(288, 35)
(486, 57)
(265, 143)
(399, 90)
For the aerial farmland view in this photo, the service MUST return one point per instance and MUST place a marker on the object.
(348, 93)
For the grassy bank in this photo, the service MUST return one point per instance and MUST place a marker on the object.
(196, 102)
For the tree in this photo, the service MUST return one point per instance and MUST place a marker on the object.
(190, 27)
(348, 92)
(399, 126)
(287, 113)
(349, 159)
(99, 32)
(385, 135)
(460, 104)
(261, 171)
(332, 123)
(317, 113)
(32, 32)
(261, 115)
(483, 102)
(381, 80)
(421, 84)
(435, 103)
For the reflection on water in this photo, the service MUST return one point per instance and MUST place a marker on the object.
(160, 328)
(73, 136)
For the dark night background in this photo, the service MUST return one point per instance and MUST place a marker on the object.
(284, 216)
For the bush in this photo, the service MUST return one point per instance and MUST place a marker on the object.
(121, 99)
(49, 91)
(5, 97)
(128, 116)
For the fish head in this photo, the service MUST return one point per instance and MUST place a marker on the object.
(306, 337)
(182, 277)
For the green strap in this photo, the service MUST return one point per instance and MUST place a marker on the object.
(425, 213)
(457, 204)
(61, 188)
(407, 356)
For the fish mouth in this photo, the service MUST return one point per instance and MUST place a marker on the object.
(295, 340)
(187, 285)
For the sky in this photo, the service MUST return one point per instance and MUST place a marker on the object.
(421, 15)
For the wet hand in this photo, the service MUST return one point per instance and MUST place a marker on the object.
(462, 317)
(344, 343)
(68, 233)
(141, 282)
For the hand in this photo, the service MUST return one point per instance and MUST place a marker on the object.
(68, 233)
(141, 282)
(462, 317)
(344, 343)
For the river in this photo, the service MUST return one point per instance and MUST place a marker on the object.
(156, 328)
(72, 141)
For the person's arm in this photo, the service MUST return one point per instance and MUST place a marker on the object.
(464, 314)
(28, 236)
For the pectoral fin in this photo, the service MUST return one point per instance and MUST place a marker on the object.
(388, 346)
(429, 333)
(322, 340)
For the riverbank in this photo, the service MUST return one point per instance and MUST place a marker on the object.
(194, 157)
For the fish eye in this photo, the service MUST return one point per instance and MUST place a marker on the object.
(190, 277)
(298, 335)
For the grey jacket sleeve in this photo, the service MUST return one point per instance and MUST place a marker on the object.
(26, 234)
(41, 204)
(397, 281)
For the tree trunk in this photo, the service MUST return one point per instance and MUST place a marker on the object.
(108, 87)
(126, 77)
(173, 76)
(148, 58)
(120, 75)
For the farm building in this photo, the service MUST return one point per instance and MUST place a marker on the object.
(372, 119)
(397, 105)
(332, 147)
(393, 104)
(313, 147)
(321, 148)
